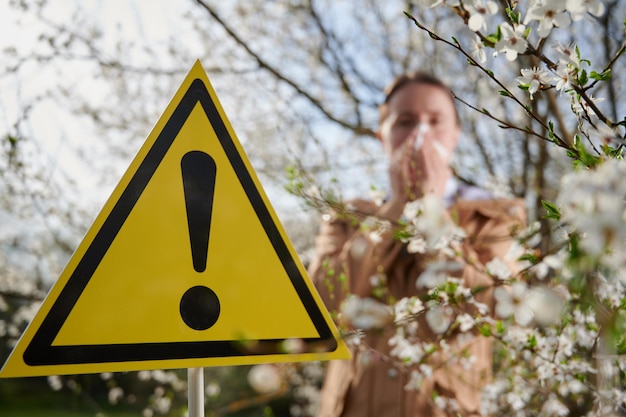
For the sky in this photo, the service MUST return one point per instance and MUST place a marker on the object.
(59, 133)
(63, 140)
(120, 18)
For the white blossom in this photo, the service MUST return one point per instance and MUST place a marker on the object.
(408, 352)
(292, 345)
(378, 196)
(447, 404)
(491, 393)
(407, 307)
(512, 301)
(436, 273)
(435, 3)
(568, 54)
(435, 223)
(412, 209)
(375, 228)
(375, 236)
(579, 8)
(517, 250)
(563, 78)
(512, 42)
(115, 395)
(499, 269)
(571, 385)
(549, 14)
(604, 134)
(582, 107)
(465, 321)
(55, 382)
(598, 208)
(439, 318)
(515, 400)
(610, 290)
(417, 244)
(585, 329)
(162, 404)
(265, 378)
(213, 389)
(366, 313)
(546, 305)
(377, 280)
(548, 263)
(533, 79)
(554, 407)
(417, 377)
(478, 10)
(143, 375)
(477, 49)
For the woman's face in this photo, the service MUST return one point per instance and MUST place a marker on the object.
(415, 105)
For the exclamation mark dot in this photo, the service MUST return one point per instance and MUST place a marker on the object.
(199, 306)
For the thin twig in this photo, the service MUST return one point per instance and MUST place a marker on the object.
(557, 139)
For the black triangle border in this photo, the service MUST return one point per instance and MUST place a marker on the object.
(40, 350)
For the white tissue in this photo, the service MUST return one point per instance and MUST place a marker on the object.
(421, 132)
(422, 129)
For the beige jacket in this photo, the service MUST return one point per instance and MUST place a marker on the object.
(377, 389)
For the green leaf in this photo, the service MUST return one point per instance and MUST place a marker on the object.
(514, 17)
(551, 130)
(498, 33)
(484, 329)
(12, 140)
(450, 287)
(504, 93)
(530, 257)
(603, 76)
(499, 326)
(613, 152)
(491, 39)
(552, 209)
(583, 156)
(402, 235)
(582, 78)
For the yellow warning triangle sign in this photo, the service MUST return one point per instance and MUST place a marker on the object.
(187, 265)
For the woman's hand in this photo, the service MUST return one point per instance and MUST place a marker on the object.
(416, 172)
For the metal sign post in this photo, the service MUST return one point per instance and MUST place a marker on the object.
(195, 386)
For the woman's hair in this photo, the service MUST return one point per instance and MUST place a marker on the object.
(418, 77)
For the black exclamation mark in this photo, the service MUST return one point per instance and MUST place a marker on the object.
(199, 306)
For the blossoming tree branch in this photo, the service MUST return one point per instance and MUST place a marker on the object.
(559, 317)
